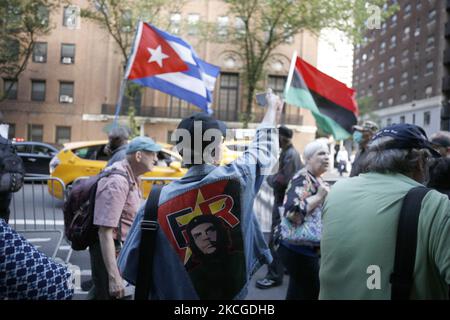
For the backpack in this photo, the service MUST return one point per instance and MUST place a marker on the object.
(78, 211)
(12, 170)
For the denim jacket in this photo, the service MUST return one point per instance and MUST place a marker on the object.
(170, 276)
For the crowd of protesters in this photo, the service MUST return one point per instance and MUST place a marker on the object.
(206, 242)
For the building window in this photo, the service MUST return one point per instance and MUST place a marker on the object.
(381, 68)
(13, 52)
(426, 118)
(380, 104)
(222, 26)
(429, 68)
(388, 121)
(382, 47)
(431, 15)
(12, 86)
(407, 11)
(70, 17)
(381, 86)
(67, 53)
(38, 90)
(391, 83)
(428, 91)
(414, 118)
(175, 22)
(390, 101)
(277, 84)
(393, 41)
(239, 24)
(62, 134)
(394, 21)
(193, 20)
(228, 96)
(287, 34)
(404, 97)
(40, 52)
(35, 132)
(402, 119)
(178, 107)
(66, 92)
(406, 33)
(43, 15)
(391, 62)
(383, 28)
(417, 32)
(430, 42)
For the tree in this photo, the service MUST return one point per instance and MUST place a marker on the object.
(119, 18)
(21, 23)
(267, 24)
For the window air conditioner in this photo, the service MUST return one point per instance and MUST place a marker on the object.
(39, 58)
(65, 99)
(67, 60)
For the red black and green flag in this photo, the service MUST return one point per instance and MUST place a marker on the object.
(331, 102)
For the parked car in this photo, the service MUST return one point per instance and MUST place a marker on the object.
(84, 159)
(36, 156)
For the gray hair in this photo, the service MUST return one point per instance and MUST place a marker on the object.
(312, 147)
(380, 158)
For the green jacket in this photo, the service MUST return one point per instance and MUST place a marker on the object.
(360, 219)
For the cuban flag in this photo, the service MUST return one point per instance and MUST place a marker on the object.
(167, 63)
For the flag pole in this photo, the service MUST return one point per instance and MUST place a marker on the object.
(119, 101)
(291, 73)
(127, 71)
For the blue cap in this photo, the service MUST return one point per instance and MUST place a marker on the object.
(406, 136)
(143, 144)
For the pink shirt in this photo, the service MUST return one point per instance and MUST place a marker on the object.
(115, 200)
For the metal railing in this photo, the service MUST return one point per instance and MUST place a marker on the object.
(233, 115)
(34, 210)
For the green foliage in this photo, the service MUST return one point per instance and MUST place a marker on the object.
(267, 24)
(21, 23)
(134, 130)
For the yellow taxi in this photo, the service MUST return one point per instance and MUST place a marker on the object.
(83, 159)
(79, 160)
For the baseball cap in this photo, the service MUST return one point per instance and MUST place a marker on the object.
(367, 126)
(143, 144)
(406, 136)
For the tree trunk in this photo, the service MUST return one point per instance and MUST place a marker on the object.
(249, 106)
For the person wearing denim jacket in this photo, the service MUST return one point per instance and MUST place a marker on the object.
(173, 259)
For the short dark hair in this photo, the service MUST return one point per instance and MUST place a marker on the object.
(440, 174)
